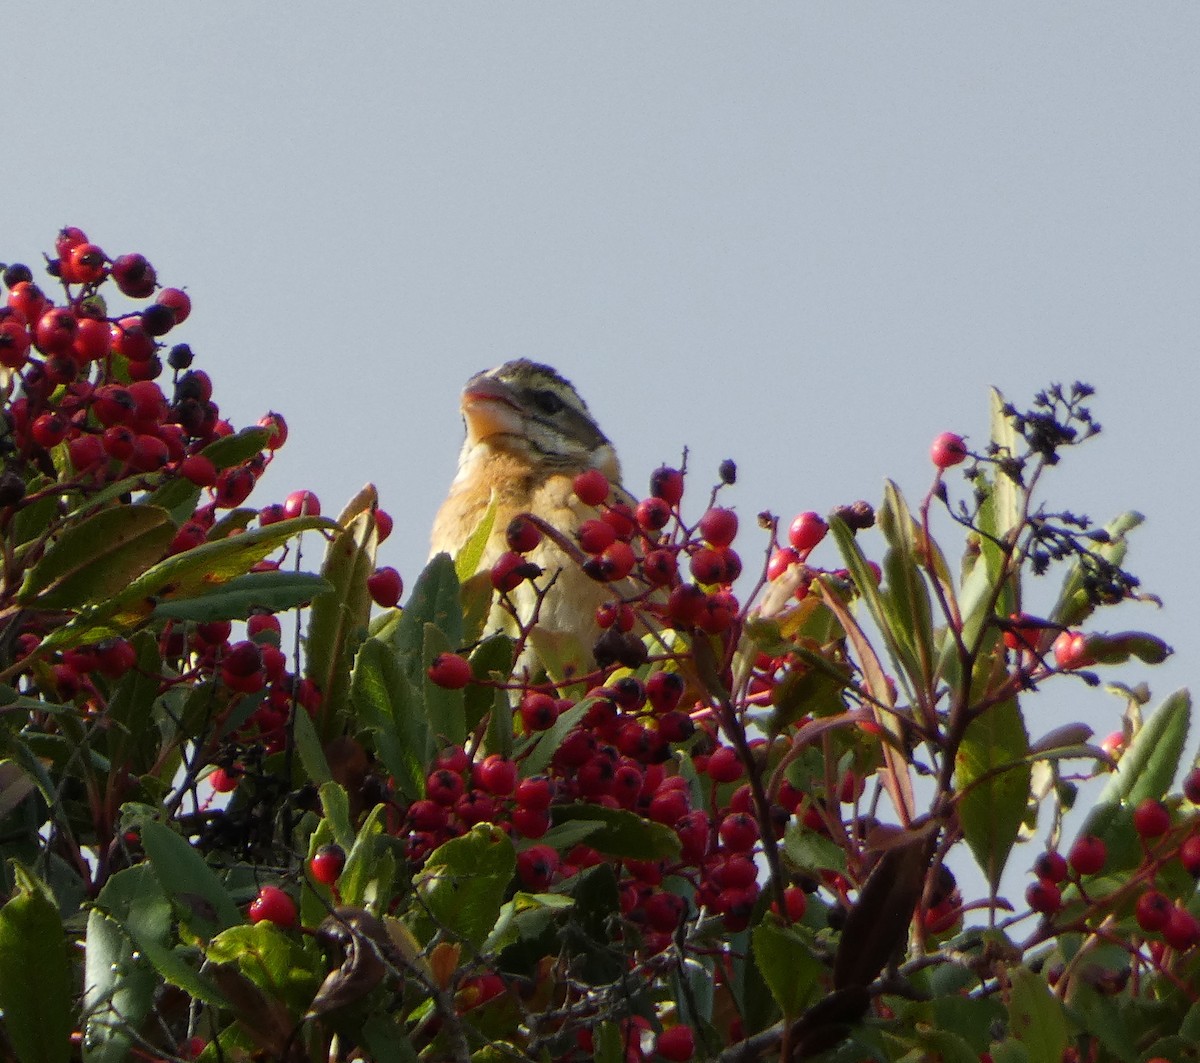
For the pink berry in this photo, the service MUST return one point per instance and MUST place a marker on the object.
(302, 503)
(1071, 652)
(947, 450)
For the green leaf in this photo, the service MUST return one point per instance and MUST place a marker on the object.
(434, 600)
(491, 661)
(466, 564)
(622, 833)
(335, 804)
(97, 557)
(384, 700)
(119, 981)
(445, 709)
(338, 619)
(464, 882)
(275, 592)
(308, 747)
(1005, 510)
(235, 449)
(369, 868)
(1036, 1017)
(195, 572)
(993, 777)
(179, 497)
(1148, 766)
(905, 595)
(273, 960)
(36, 985)
(810, 853)
(183, 873)
(787, 965)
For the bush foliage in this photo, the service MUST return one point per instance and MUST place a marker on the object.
(732, 840)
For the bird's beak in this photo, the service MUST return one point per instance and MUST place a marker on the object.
(490, 408)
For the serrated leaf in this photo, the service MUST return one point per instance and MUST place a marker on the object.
(276, 592)
(787, 965)
(97, 557)
(993, 776)
(622, 833)
(464, 882)
(36, 984)
(338, 618)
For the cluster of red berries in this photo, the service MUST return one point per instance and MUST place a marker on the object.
(91, 409)
(1163, 842)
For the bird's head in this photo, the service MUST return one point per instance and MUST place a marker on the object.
(528, 410)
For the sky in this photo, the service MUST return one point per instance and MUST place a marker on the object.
(807, 237)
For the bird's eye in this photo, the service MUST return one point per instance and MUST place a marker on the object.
(547, 401)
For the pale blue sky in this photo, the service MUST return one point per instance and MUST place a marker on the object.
(805, 236)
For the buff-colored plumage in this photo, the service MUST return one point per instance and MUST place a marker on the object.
(529, 434)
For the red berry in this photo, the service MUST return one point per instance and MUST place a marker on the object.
(270, 514)
(1043, 897)
(668, 807)
(717, 564)
(796, 904)
(85, 452)
(536, 867)
(1152, 911)
(591, 487)
(224, 780)
(677, 1044)
(274, 906)
(131, 340)
(781, 560)
(383, 525)
(1050, 866)
(717, 613)
(14, 344)
(614, 563)
(1023, 632)
(93, 340)
(595, 536)
(327, 863)
(68, 238)
(621, 519)
(259, 623)
(497, 775)
(1087, 855)
(653, 514)
(660, 567)
(724, 765)
(301, 504)
(1189, 855)
(738, 832)
(199, 470)
(530, 822)
(55, 331)
(276, 427)
(667, 484)
(663, 691)
(522, 535)
(149, 453)
(685, 605)
(177, 301)
(538, 712)
(718, 526)
(385, 586)
(948, 449)
(510, 571)
(806, 531)
(233, 487)
(444, 786)
(1070, 651)
(87, 264)
(1182, 930)
(450, 671)
(49, 430)
(134, 276)
(1191, 786)
(535, 793)
(1151, 818)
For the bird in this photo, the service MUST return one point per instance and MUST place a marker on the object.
(528, 435)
